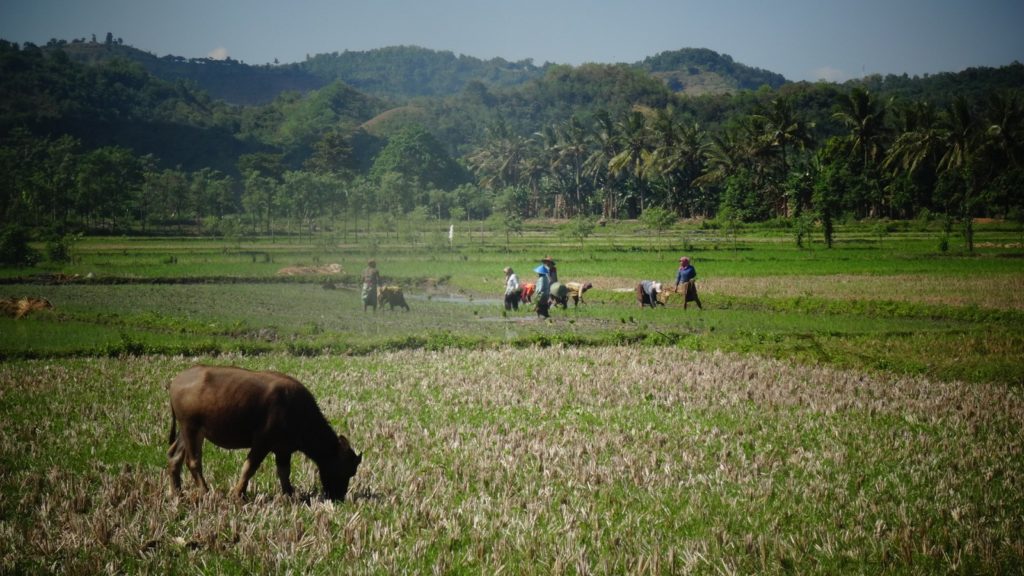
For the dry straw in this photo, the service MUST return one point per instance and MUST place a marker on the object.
(538, 461)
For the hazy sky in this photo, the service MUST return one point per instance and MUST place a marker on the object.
(800, 39)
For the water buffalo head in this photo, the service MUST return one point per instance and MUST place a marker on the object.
(339, 470)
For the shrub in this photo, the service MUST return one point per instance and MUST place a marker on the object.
(58, 249)
(14, 247)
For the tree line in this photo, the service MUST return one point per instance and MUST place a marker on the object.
(959, 162)
(597, 141)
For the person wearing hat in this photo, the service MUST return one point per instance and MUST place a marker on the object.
(552, 269)
(512, 290)
(371, 278)
(686, 275)
(647, 293)
(542, 291)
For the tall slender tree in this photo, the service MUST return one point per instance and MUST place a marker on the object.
(865, 120)
(632, 159)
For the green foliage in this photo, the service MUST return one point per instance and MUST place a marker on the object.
(14, 246)
(417, 156)
(658, 219)
(579, 228)
(686, 68)
(60, 247)
(742, 197)
(506, 217)
(409, 71)
(574, 140)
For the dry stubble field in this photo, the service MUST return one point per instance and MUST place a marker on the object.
(532, 461)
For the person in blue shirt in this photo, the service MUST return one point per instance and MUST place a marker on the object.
(686, 275)
(543, 291)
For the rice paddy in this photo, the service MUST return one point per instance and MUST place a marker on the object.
(854, 412)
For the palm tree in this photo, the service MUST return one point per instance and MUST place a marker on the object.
(1003, 118)
(864, 118)
(1003, 124)
(634, 149)
(784, 130)
(605, 137)
(548, 157)
(961, 157)
(499, 163)
(571, 151)
(724, 156)
(780, 131)
(678, 157)
(957, 146)
(920, 141)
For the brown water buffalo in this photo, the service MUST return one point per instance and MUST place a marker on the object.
(262, 411)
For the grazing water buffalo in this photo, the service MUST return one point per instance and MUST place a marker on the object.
(262, 411)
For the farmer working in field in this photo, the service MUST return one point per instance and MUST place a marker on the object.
(512, 289)
(549, 263)
(371, 278)
(543, 291)
(686, 275)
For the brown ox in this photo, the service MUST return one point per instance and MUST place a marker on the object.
(263, 411)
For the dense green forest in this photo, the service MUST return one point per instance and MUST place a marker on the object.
(108, 143)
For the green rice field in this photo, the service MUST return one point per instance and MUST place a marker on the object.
(849, 410)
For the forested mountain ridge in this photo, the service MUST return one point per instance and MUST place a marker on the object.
(101, 143)
(405, 72)
(115, 104)
(116, 101)
(229, 80)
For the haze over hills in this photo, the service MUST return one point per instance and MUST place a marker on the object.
(403, 72)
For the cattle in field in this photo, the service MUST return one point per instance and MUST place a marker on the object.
(266, 412)
(392, 296)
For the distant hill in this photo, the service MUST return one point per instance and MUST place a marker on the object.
(410, 71)
(117, 102)
(405, 72)
(228, 80)
(699, 71)
(402, 73)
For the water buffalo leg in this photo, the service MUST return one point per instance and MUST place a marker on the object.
(193, 451)
(175, 458)
(284, 471)
(249, 468)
